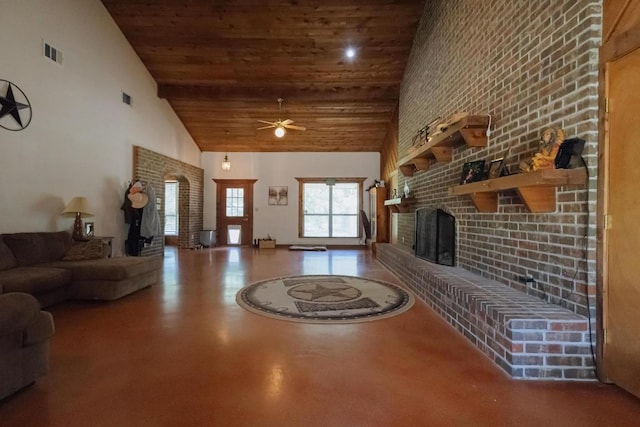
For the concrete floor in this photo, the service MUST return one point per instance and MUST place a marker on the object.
(182, 353)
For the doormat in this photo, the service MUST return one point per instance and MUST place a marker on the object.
(324, 299)
(307, 248)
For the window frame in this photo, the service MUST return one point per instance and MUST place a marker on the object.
(176, 206)
(348, 180)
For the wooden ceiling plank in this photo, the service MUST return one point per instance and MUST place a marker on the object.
(221, 65)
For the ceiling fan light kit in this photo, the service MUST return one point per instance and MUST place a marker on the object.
(280, 125)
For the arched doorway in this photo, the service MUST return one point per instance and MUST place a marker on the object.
(176, 210)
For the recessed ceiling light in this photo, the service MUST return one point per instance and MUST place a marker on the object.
(350, 52)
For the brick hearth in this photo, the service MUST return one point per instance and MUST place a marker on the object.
(524, 335)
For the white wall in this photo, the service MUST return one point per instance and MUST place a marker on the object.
(81, 136)
(281, 169)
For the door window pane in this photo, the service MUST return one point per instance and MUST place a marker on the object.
(235, 202)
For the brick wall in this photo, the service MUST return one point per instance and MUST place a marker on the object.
(531, 65)
(154, 168)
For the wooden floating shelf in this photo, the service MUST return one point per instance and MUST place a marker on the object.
(470, 130)
(400, 204)
(536, 189)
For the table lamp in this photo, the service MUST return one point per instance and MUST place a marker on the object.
(77, 206)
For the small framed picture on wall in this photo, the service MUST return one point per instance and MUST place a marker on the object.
(278, 196)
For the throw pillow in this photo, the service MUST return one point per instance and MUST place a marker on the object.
(56, 244)
(28, 248)
(81, 251)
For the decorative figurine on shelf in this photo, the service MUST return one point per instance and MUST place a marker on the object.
(395, 193)
(406, 189)
(550, 143)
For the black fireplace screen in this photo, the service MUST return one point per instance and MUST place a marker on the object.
(435, 236)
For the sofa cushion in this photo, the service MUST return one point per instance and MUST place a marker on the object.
(34, 280)
(80, 251)
(7, 260)
(110, 268)
(28, 248)
(56, 244)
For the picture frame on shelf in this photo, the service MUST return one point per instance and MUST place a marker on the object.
(88, 229)
(570, 154)
(496, 168)
(472, 172)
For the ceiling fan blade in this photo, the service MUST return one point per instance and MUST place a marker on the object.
(269, 123)
(266, 127)
(294, 127)
(286, 122)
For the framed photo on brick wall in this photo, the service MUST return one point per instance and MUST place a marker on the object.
(472, 172)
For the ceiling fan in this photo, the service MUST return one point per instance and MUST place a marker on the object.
(280, 124)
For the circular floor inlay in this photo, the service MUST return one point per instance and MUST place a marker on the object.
(324, 299)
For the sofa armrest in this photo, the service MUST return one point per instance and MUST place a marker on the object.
(17, 310)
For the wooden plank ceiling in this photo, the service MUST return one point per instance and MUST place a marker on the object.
(222, 64)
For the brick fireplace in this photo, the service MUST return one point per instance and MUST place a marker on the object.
(525, 336)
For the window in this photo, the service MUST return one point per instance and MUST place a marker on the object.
(171, 208)
(330, 207)
(235, 202)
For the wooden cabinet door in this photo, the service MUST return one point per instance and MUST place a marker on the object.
(379, 215)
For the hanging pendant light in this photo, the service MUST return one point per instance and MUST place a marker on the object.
(280, 131)
(226, 164)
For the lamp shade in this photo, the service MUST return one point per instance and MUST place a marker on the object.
(77, 205)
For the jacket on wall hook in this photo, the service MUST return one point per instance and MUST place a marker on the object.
(142, 217)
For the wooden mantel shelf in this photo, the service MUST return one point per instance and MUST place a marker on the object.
(400, 204)
(536, 189)
(470, 130)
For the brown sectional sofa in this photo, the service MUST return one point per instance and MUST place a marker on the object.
(36, 263)
(41, 269)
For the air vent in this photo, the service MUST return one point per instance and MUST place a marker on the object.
(52, 53)
(126, 98)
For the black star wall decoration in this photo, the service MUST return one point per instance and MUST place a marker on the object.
(15, 108)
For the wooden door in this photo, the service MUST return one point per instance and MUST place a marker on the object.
(234, 212)
(622, 236)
